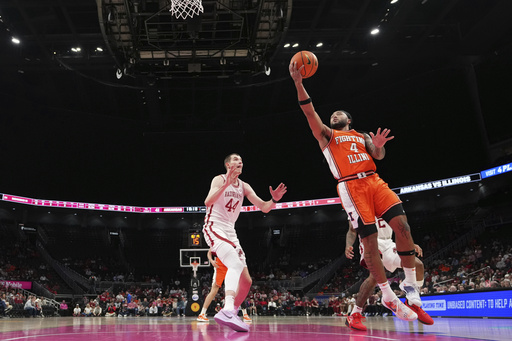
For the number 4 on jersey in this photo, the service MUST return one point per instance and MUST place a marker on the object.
(353, 147)
(230, 206)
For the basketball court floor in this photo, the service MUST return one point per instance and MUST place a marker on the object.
(263, 328)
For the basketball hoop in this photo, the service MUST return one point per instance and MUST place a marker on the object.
(186, 8)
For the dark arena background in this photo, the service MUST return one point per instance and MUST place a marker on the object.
(116, 115)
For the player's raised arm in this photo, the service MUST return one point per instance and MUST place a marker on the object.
(265, 206)
(320, 131)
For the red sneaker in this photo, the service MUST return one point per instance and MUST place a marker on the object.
(354, 321)
(423, 317)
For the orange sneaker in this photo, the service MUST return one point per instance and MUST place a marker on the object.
(423, 317)
(401, 310)
(247, 319)
(355, 321)
(202, 318)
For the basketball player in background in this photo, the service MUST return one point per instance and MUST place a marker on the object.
(223, 205)
(391, 261)
(219, 274)
(364, 195)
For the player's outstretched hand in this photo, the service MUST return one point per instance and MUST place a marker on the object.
(380, 138)
(349, 252)
(278, 193)
(295, 73)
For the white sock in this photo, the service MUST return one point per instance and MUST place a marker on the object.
(229, 302)
(356, 310)
(410, 275)
(387, 293)
(203, 311)
(244, 311)
(420, 283)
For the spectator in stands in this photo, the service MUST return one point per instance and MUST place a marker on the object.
(123, 312)
(307, 306)
(153, 309)
(174, 306)
(351, 303)
(96, 312)
(263, 307)
(145, 306)
(167, 311)
(272, 307)
(279, 308)
(3, 306)
(132, 308)
(182, 306)
(298, 307)
(315, 307)
(30, 306)
(111, 310)
(251, 309)
(87, 310)
(141, 310)
(39, 306)
(64, 309)
(77, 311)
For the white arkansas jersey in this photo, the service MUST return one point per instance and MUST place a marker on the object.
(222, 214)
(385, 231)
(385, 236)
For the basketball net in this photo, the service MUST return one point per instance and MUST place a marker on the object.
(194, 265)
(186, 8)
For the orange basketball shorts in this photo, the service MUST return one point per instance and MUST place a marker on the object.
(220, 272)
(366, 199)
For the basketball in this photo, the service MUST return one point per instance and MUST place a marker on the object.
(309, 60)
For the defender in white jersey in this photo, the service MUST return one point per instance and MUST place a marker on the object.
(223, 204)
(391, 261)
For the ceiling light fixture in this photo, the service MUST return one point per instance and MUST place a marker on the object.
(295, 45)
(319, 44)
(375, 31)
(393, 1)
(287, 45)
(15, 40)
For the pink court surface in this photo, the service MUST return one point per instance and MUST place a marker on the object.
(262, 328)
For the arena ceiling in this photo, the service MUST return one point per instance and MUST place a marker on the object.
(118, 101)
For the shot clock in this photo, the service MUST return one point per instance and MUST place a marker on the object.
(195, 239)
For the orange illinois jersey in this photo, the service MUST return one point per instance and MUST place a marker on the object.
(346, 154)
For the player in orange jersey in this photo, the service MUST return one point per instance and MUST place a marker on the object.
(364, 195)
(219, 274)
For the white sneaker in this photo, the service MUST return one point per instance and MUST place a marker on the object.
(229, 318)
(412, 293)
(401, 311)
(202, 318)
